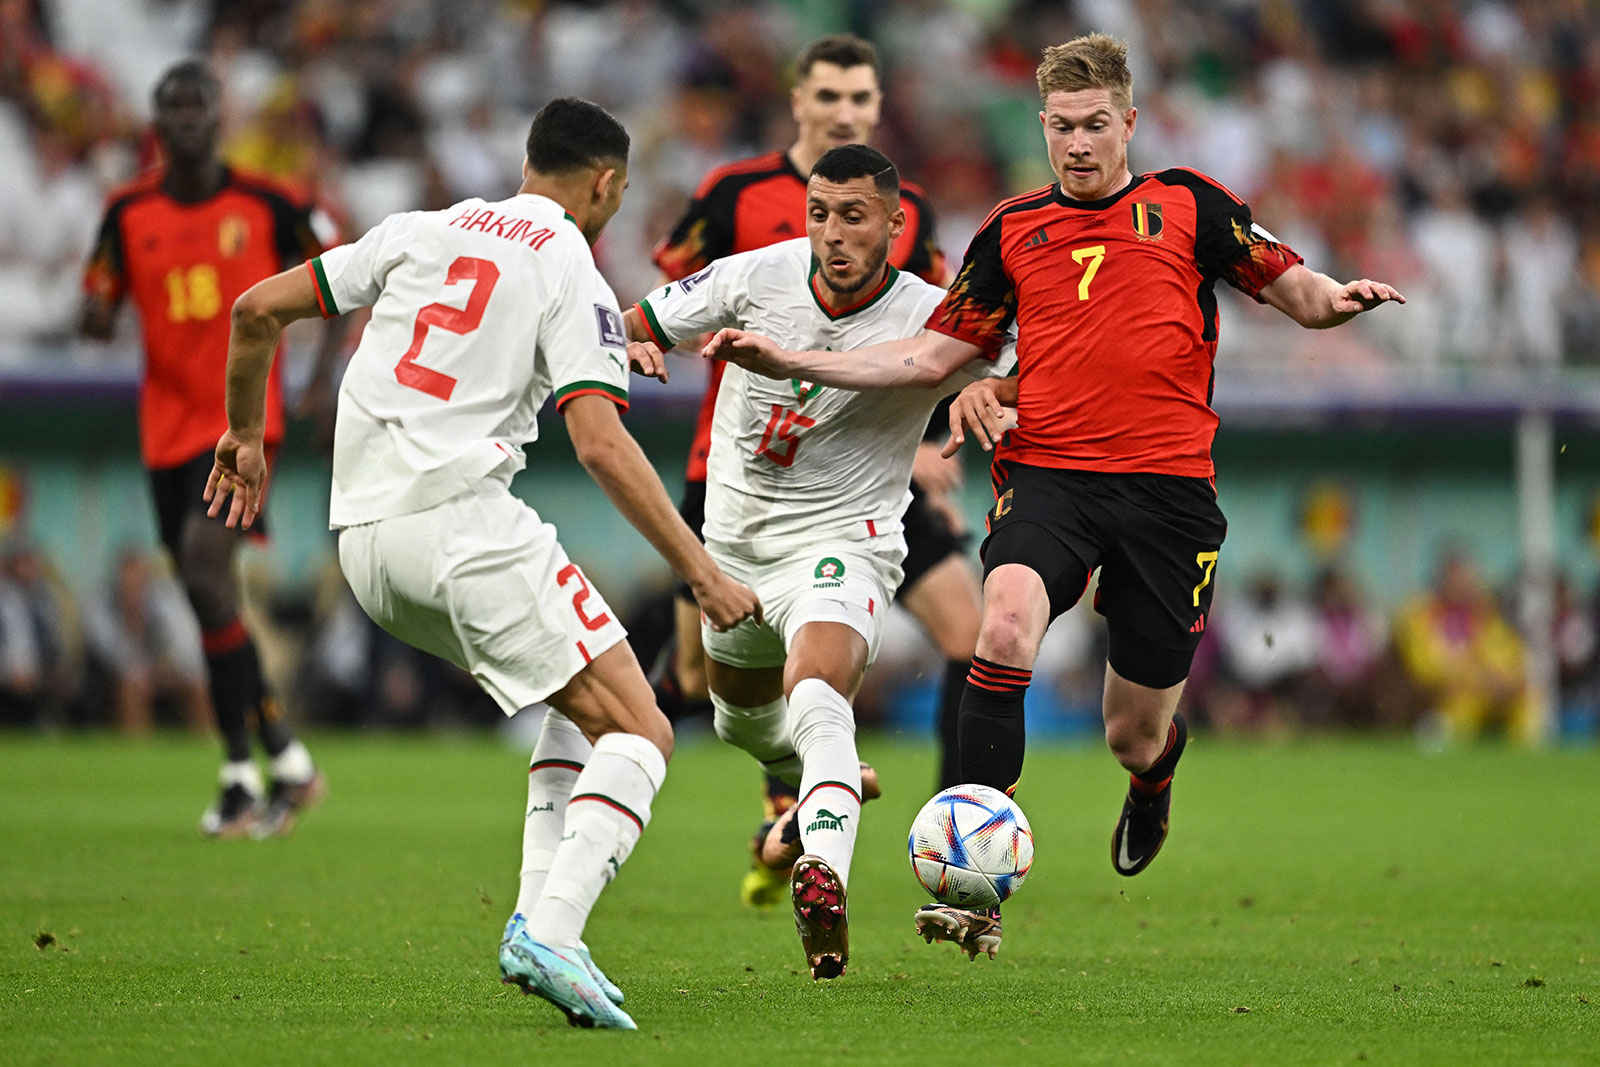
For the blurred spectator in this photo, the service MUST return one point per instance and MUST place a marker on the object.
(144, 643)
(1267, 643)
(1462, 654)
(40, 653)
(1350, 640)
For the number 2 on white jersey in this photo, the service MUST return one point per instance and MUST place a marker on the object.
(483, 275)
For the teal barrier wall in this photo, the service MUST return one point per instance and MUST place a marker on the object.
(74, 485)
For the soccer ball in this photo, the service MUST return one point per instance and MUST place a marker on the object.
(971, 846)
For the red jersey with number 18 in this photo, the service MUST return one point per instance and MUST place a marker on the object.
(1116, 316)
(184, 264)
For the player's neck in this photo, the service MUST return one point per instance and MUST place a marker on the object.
(802, 157)
(573, 196)
(193, 182)
(837, 303)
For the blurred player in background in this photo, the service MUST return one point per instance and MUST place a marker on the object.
(184, 241)
(804, 501)
(1109, 281)
(754, 203)
(479, 313)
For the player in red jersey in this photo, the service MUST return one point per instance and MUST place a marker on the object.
(1109, 280)
(184, 241)
(751, 204)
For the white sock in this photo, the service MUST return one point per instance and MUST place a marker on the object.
(561, 753)
(830, 787)
(609, 809)
(763, 732)
(293, 764)
(242, 772)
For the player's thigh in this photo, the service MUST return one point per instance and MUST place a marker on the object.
(744, 687)
(947, 602)
(842, 582)
(833, 652)
(750, 645)
(483, 581)
(1050, 521)
(1157, 581)
(612, 695)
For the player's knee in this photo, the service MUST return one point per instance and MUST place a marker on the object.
(1135, 743)
(1005, 638)
(762, 731)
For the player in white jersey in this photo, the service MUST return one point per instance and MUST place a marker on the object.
(479, 313)
(804, 500)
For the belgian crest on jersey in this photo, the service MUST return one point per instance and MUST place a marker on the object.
(1147, 219)
(232, 234)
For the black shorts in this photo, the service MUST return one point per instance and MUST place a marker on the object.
(1155, 538)
(692, 508)
(929, 539)
(179, 491)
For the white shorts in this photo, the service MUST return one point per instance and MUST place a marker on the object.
(837, 581)
(481, 581)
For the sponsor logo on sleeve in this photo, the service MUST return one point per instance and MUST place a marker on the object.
(611, 335)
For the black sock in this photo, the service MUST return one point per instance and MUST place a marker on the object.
(991, 728)
(950, 690)
(1159, 774)
(274, 732)
(235, 673)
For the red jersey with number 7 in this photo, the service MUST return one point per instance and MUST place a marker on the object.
(1116, 314)
(184, 264)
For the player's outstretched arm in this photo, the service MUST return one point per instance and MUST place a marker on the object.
(617, 463)
(921, 361)
(259, 316)
(987, 409)
(1317, 302)
(644, 355)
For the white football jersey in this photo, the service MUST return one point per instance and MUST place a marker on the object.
(479, 312)
(793, 463)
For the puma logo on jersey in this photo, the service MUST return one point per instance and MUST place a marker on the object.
(612, 356)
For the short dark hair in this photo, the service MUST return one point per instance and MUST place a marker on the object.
(860, 161)
(842, 50)
(188, 70)
(569, 134)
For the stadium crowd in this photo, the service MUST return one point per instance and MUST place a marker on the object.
(1450, 145)
(1452, 148)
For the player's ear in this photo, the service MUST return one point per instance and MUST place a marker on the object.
(1128, 120)
(603, 180)
(526, 170)
(897, 223)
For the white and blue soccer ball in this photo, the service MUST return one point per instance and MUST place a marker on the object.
(971, 846)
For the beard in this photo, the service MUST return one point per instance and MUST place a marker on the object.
(874, 268)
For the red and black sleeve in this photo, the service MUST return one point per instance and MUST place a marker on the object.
(923, 256)
(982, 301)
(105, 276)
(1228, 245)
(704, 233)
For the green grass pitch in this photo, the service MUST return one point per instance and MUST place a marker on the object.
(1319, 902)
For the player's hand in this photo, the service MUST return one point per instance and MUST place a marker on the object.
(725, 602)
(1355, 297)
(241, 470)
(646, 358)
(977, 409)
(934, 472)
(755, 353)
